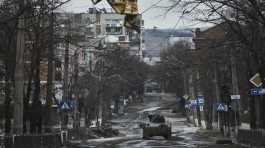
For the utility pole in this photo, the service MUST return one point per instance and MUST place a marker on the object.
(66, 73)
(192, 94)
(186, 91)
(19, 73)
(198, 92)
(235, 88)
(217, 94)
(76, 94)
(100, 95)
(141, 39)
(185, 83)
(50, 73)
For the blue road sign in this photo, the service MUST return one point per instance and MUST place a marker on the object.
(199, 101)
(187, 106)
(64, 106)
(257, 91)
(193, 102)
(221, 107)
(67, 105)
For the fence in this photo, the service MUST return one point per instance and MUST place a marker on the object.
(56, 140)
(251, 137)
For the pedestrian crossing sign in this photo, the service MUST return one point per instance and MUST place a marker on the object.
(222, 107)
(65, 106)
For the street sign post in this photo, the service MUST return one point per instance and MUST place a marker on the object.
(201, 108)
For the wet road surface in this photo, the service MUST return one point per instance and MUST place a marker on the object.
(184, 135)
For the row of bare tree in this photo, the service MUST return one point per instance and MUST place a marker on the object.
(27, 41)
(116, 76)
(227, 55)
(29, 37)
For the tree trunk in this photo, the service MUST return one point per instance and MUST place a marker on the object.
(76, 94)
(27, 97)
(19, 75)
(7, 99)
(49, 92)
(36, 115)
(116, 106)
(235, 90)
(65, 81)
(217, 95)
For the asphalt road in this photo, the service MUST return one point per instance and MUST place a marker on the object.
(184, 135)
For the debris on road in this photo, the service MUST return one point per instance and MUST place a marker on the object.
(224, 141)
(94, 133)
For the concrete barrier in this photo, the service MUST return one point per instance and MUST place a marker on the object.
(27, 141)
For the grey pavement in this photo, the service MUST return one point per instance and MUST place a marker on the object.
(184, 135)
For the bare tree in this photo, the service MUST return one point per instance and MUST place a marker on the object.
(244, 20)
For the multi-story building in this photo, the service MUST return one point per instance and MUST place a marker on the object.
(108, 26)
(88, 34)
(101, 30)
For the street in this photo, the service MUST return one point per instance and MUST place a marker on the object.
(183, 134)
(132, 73)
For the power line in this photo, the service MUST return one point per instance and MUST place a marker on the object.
(151, 7)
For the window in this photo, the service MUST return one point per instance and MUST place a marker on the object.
(122, 38)
(111, 29)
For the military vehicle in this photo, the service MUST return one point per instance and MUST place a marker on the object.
(161, 130)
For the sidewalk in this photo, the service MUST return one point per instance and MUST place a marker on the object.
(216, 136)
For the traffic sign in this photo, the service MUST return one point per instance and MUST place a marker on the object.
(65, 106)
(200, 100)
(235, 97)
(187, 106)
(257, 91)
(221, 107)
(186, 97)
(193, 102)
(256, 80)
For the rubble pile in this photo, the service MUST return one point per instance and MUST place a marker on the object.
(93, 133)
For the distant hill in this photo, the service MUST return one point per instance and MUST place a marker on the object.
(155, 39)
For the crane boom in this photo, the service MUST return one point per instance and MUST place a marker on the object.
(129, 8)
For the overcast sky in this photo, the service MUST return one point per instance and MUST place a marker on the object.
(152, 17)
